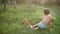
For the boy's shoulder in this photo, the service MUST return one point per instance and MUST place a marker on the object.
(49, 16)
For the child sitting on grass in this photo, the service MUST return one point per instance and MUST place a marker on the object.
(45, 21)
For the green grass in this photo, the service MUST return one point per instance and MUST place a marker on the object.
(11, 20)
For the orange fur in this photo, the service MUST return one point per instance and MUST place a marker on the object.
(25, 21)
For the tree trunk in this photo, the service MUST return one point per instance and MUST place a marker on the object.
(15, 4)
(29, 2)
(42, 2)
(4, 4)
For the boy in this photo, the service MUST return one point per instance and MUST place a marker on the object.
(45, 21)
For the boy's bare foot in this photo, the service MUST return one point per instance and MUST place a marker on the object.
(25, 21)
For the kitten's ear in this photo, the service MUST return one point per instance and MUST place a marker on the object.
(25, 21)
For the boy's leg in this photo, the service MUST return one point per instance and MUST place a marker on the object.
(34, 26)
(26, 22)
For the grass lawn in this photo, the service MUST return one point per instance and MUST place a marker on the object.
(11, 20)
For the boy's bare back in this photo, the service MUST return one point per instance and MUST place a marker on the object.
(46, 19)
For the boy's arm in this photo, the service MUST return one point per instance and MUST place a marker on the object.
(49, 23)
(39, 20)
(49, 26)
